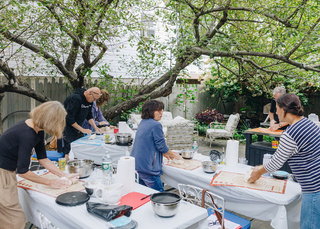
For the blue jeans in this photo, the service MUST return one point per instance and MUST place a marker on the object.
(310, 211)
(151, 181)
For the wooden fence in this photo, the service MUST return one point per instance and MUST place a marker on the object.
(15, 107)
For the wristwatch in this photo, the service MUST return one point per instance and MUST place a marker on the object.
(280, 125)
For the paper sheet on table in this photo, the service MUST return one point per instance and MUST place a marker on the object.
(45, 189)
(187, 165)
(224, 178)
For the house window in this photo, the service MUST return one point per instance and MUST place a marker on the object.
(147, 29)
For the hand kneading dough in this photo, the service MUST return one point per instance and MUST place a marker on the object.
(247, 175)
(107, 128)
(178, 162)
(92, 137)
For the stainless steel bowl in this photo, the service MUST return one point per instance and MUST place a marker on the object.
(187, 153)
(209, 166)
(165, 204)
(82, 166)
(123, 138)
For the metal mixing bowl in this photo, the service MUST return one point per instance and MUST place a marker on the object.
(123, 138)
(187, 153)
(165, 204)
(209, 166)
(82, 166)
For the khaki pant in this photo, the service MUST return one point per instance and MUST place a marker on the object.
(11, 214)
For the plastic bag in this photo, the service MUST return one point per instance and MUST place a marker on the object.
(108, 212)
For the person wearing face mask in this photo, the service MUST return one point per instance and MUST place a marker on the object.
(150, 146)
(300, 146)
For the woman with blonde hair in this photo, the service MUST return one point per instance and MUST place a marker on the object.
(16, 145)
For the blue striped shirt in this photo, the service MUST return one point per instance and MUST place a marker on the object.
(300, 146)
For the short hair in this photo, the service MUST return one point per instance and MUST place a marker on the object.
(279, 90)
(50, 116)
(103, 98)
(149, 107)
(290, 103)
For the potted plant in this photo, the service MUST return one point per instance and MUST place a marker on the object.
(209, 115)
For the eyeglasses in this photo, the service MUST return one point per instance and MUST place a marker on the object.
(95, 99)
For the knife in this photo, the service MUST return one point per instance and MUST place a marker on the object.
(145, 197)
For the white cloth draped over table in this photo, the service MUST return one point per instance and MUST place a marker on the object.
(283, 210)
(77, 217)
(84, 148)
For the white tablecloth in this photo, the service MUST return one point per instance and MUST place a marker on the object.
(283, 210)
(188, 216)
(84, 148)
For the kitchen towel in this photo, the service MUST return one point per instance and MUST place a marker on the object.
(232, 153)
(126, 174)
(122, 127)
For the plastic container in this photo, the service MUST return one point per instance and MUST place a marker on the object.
(195, 147)
(266, 157)
(275, 143)
(129, 123)
(107, 167)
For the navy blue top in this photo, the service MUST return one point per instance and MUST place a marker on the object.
(149, 145)
(300, 146)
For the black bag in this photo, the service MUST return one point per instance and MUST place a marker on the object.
(108, 212)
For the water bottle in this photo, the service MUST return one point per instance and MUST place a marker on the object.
(223, 158)
(266, 157)
(129, 123)
(107, 167)
(195, 147)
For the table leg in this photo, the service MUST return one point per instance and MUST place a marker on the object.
(260, 138)
(249, 157)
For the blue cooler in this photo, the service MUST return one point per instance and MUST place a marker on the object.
(52, 155)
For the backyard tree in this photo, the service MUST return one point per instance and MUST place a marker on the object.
(254, 41)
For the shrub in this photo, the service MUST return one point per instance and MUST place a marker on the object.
(209, 115)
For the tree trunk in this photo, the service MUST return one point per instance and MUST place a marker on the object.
(1, 97)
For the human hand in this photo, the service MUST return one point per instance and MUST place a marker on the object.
(98, 131)
(86, 131)
(255, 175)
(272, 122)
(104, 123)
(274, 127)
(60, 183)
(73, 177)
(112, 127)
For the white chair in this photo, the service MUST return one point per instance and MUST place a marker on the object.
(227, 132)
(45, 223)
(203, 198)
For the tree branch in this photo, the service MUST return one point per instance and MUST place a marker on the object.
(70, 75)
(249, 53)
(303, 39)
(23, 91)
(217, 62)
(60, 22)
